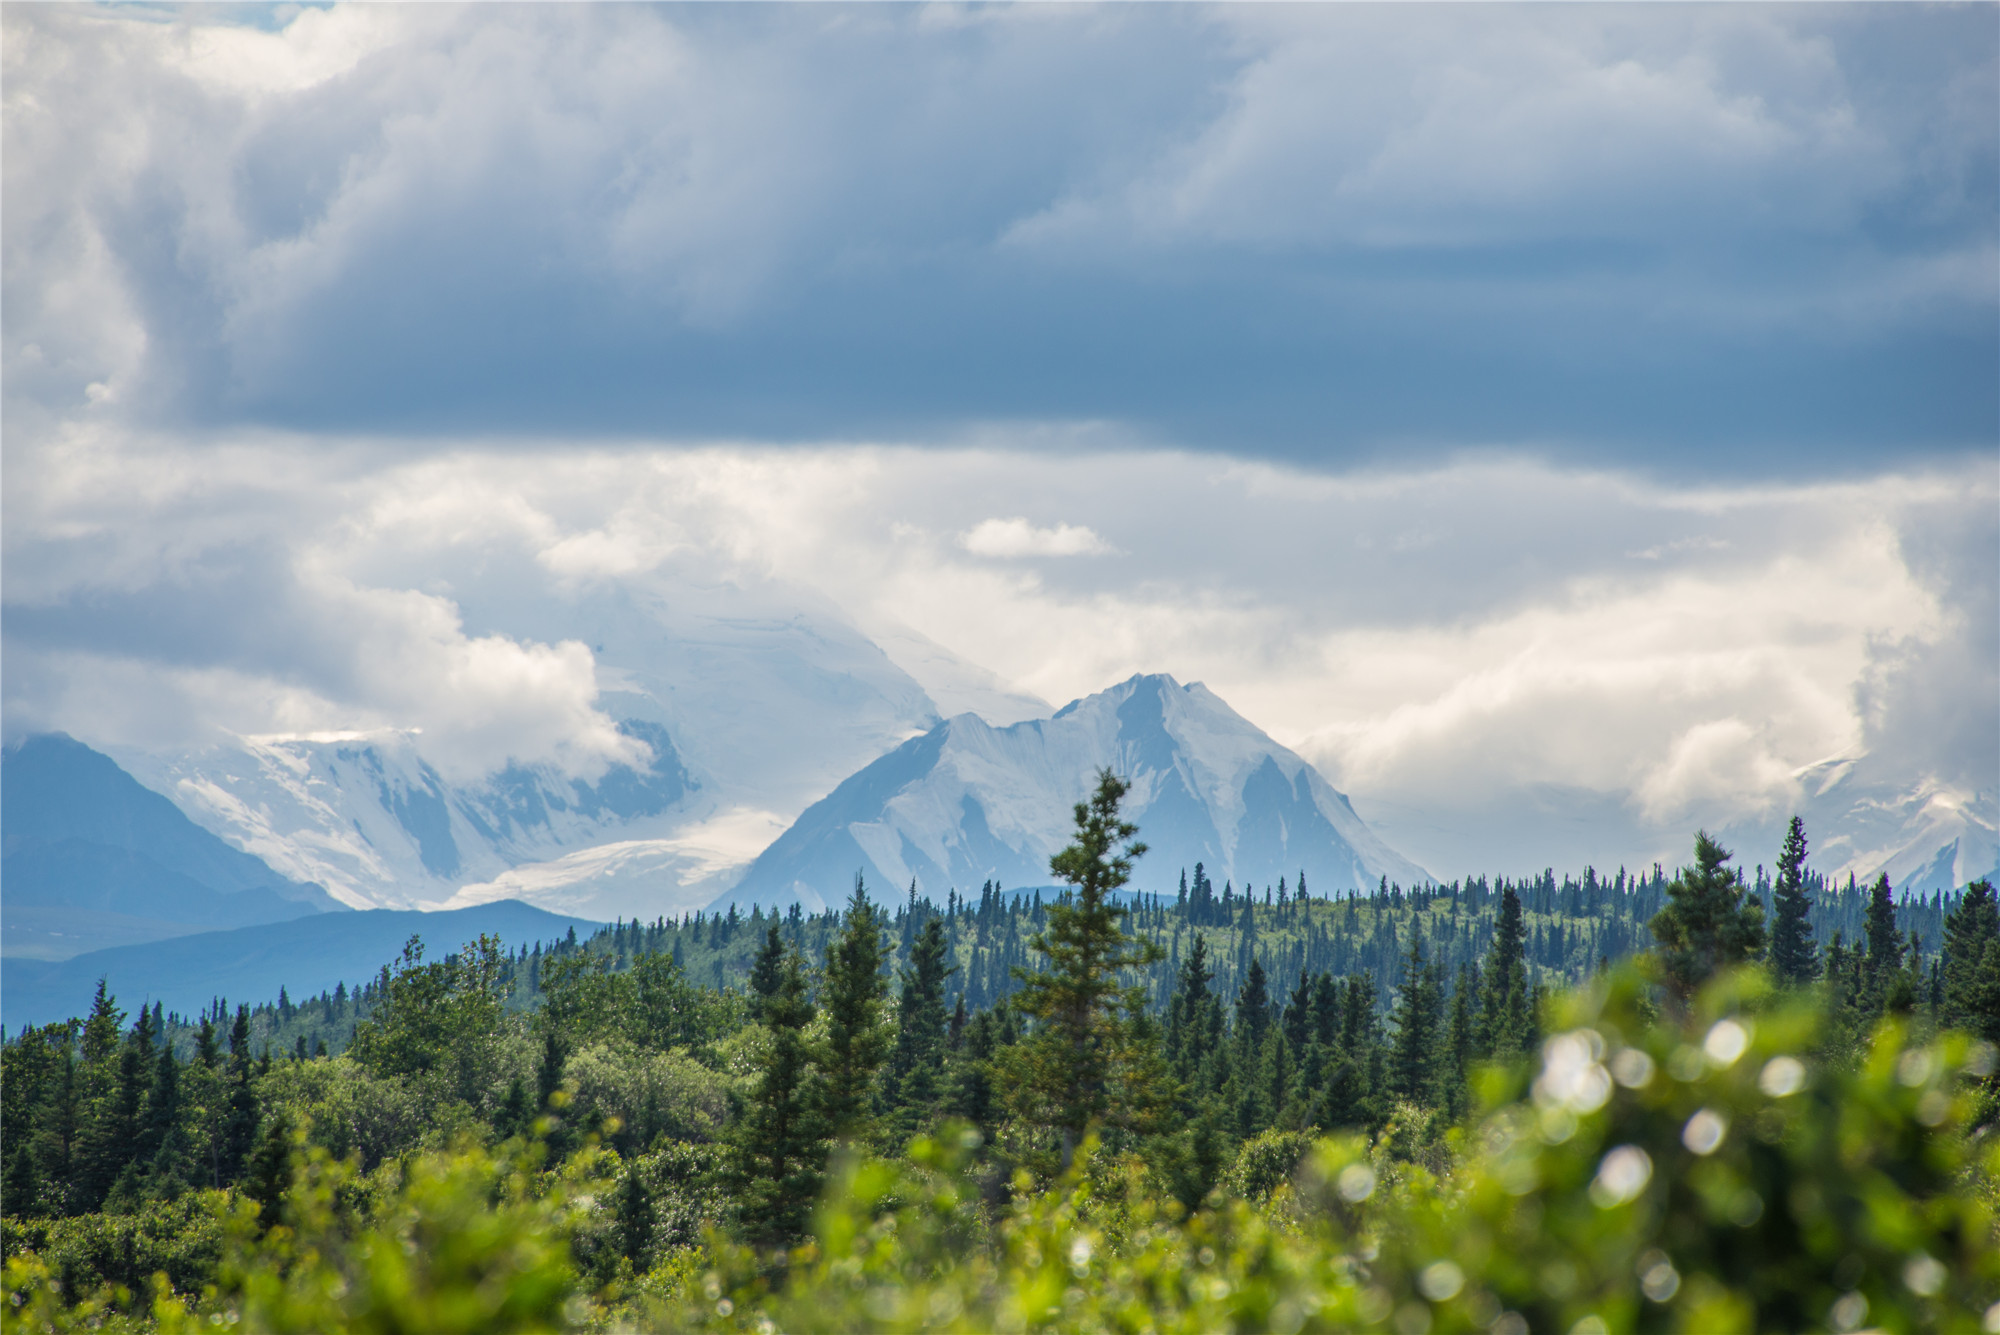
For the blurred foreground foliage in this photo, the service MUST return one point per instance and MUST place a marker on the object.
(1655, 1167)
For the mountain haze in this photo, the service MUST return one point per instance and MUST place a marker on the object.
(92, 858)
(967, 802)
(252, 963)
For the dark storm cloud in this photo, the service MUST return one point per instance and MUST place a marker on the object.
(1688, 240)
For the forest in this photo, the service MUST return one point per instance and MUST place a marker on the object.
(1712, 1099)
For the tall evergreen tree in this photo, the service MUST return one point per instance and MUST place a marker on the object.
(1971, 965)
(101, 1028)
(165, 1150)
(1709, 923)
(1414, 1051)
(21, 1189)
(1352, 1084)
(1794, 954)
(1187, 1011)
(917, 1065)
(58, 1140)
(767, 970)
(1505, 1027)
(163, 1105)
(111, 1139)
(1884, 940)
(268, 1175)
(1087, 1060)
(1253, 1010)
(1455, 1052)
(777, 1141)
(634, 1218)
(239, 1130)
(857, 1034)
(968, 1089)
(206, 1050)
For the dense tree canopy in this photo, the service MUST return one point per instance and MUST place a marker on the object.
(1329, 1099)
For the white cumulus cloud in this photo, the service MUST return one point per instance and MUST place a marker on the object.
(1018, 537)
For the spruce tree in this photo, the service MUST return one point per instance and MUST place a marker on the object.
(1413, 1055)
(159, 1131)
(239, 1129)
(549, 1065)
(58, 1141)
(111, 1140)
(777, 1142)
(1971, 966)
(857, 1034)
(1883, 938)
(1505, 1028)
(1187, 1011)
(1709, 923)
(102, 1027)
(1253, 1011)
(917, 1065)
(1087, 1060)
(206, 1051)
(634, 1219)
(1350, 1098)
(1794, 954)
(968, 1085)
(21, 1189)
(767, 970)
(1455, 1053)
(268, 1175)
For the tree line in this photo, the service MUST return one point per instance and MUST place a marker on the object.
(727, 1060)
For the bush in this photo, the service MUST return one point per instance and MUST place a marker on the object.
(651, 1094)
(1267, 1163)
(345, 1110)
(180, 1239)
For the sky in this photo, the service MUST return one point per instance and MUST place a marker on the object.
(1561, 424)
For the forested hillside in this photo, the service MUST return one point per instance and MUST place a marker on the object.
(658, 1108)
(1571, 926)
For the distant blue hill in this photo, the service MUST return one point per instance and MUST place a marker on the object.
(304, 956)
(89, 858)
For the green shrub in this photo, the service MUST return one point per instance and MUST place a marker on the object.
(181, 1239)
(1266, 1163)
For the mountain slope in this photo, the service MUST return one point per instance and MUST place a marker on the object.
(369, 816)
(752, 700)
(90, 857)
(967, 802)
(252, 963)
(1928, 836)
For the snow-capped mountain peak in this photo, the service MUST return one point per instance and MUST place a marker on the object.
(967, 802)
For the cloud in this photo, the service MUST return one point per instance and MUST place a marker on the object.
(1722, 763)
(1018, 537)
(156, 592)
(1556, 410)
(1478, 651)
(1754, 241)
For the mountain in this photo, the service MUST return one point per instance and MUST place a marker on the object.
(966, 802)
(1928, 836)
(305, 956)
(751, 700)
(367, 814)
(89, 857)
